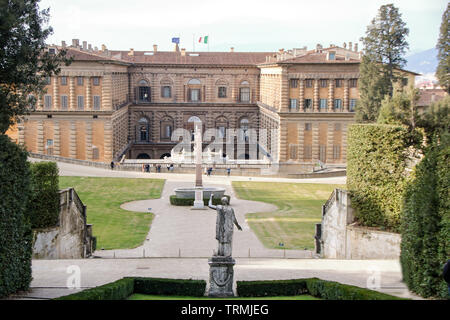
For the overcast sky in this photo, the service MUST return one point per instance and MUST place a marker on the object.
(247, 25)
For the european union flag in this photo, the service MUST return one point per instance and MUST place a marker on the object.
(176, 40)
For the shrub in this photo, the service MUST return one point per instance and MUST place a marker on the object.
(118, 290)
(190, 201)
(178, 287)
(376, 176)
(425, 224)
(328, 290)
(15, 231)
(43, 206)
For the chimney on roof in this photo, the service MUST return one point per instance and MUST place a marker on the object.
(75, 43)
(155, 48)
(183, 52)
(63, 44)
(84, 45)
(90, 47)
(96, 49)
(177, 48)
(281, 51)
(350, 46)
(131, 53)
(356, 47)
(232, 49)
(103, 47)
(344, 45)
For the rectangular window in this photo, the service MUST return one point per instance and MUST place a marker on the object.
(337, 103)
(323, 103)
(64, 102)
(244, 94)
(166, 92)
(322, 153)
(293, 104)
(96, 81)
(352, 105)
(308, 103)
(96, 102)
(353, 83)
(144, 94)
(95, 153)
(308, 83)
(47, 80)
(404, 81)
(195, 95)
(293, 151)
(168, 131)
(48, 101)
(337, 127)
(294, 83)
(222, 92)
(338, 83)
(80, 81)
(64, 81)
(336, 152)
(323, 83)
(49, 146)
(221, 132)
(307, 152)
(308, 126)
(80, 102)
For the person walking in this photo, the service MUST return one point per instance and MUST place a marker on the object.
(112, 165)
(228, 171)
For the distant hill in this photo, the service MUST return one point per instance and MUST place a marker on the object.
(424, 62)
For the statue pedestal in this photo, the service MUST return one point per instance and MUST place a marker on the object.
(221, 276)
(198, 201)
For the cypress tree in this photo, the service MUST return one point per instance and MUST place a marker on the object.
(443, 47)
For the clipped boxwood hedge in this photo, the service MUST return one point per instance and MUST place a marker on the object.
(43, 205)
(328, 290)
(123, 288)
(190, 202)
(376, 173)
(177, 287)
(15, 230)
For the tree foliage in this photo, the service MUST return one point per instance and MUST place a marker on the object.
(443, 47)
(384, 48)
(24, 61)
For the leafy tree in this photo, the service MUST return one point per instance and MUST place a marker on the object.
(443, 47)
(384, 48)
(24, 61)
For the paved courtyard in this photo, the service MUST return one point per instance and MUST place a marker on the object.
(181, 240)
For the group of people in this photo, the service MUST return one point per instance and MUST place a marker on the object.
(147, 168)
(209, 170)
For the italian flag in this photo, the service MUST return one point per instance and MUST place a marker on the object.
(203, 39)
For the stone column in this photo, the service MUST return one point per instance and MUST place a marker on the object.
(106, 92)
(283, 145)
(56, 93)
(331, 95)
(178, 90)
(346, 95)
(108, 143)
(316, 96)
(88, 135)
(72, 97)
(330, 142)
(56, 138)
(73, 140)
(40, 137)
(315, 141)
(284, 91)
(301, 94)
(301, 140)
(88, 93)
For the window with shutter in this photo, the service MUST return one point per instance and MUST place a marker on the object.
(80, 102)
(96, 102)
(64, 102)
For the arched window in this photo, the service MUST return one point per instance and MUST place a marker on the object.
(243, 126)
(143, 130)
(143, 93)
(166, 128)
(221, 126)
(194, 81)
(244, 92)
(143, 156)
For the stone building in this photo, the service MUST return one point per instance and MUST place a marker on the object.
(107, 103)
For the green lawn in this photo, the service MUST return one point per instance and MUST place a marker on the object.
(114, 227)
(299, 209)
(138, 296)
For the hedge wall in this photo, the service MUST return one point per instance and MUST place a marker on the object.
(190, 202)
(426, 223)
(123, 288)
(15, 231)
(327, 290)
(376, 163)
(43, 205)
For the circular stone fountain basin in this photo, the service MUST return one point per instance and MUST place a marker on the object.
(189, 193)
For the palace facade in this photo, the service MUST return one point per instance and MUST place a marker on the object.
(108, 103)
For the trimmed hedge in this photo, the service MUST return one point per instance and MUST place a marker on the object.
(376, 178)
(328, 290)
(118, 290)
(43, 205)
(15, 230)
(190, 202)
(426, 223)
(123, 288)
(176, 287)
